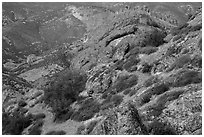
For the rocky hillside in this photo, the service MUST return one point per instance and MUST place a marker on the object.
(102, 68)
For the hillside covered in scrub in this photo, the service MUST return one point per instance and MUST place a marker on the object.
(102, 68)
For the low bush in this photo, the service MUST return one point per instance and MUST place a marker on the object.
(186, 77)
(22, 103)
(130, 63)
(91, 126)
(88, 109)
(39, 116)
(150, 81)
(196, 27)
(157, 108)
(119, 65)
(80, 129)
(63, 91)
(146, 68)
(36, 128)
(116, 99)
(156, 90)
(56, 133)
(197, 61)
(111, 101)
(15, 123)
(160, 128)
(178, 29)
(200, 44)
(177, 37)
(136, 119)
(148, 50)
(127, 91)
(180, 62)
(125, 82)
(173, 50)
(133, 92)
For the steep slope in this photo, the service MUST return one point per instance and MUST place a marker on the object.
(102, 68)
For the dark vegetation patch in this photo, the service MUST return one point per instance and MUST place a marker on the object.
(177, 30)
(197, 61)
(200, 44)
(150, 81)
(36, 128)
(88, 109)
(63, 91)
(130, 64)
(179, 37)
(133, 92)
(15, 123)
(161, 128)
(185, 29)
(156, 109)
(119, 65)
(127, 91)
(146, 68)
(179, 62)
(64, 58)
(111, 101)
(148, 50)
(186, 77)
(158, 89)
(56, 133)
(154, 128)
(80, 129)
(39, 116)
(173, 50)
(91, 126)
(22, 103)
(181, 31)
(136, 119)
(124, 82)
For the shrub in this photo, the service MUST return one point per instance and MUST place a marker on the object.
(156, 90)
(63, 91)
(39, 116)
(160, 128)
(148, 50)
(177, 37)
(197, 61)
(200, 44)
(111, 101)
(146, 68)
(127, 91)
(119, 65)
(196, 27)
(187, 77)
(180, 62)
(116, 99)
(173, 50)
(56, 133)
(15, 123)
(36, 128)
(22, 103)
(133, 92)
(130, 63)
(91, 126)
(157, 108)
(125, 82)
(80, 129)
(88, 109)
(150, 81)
(178, 29)
(136, 119)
